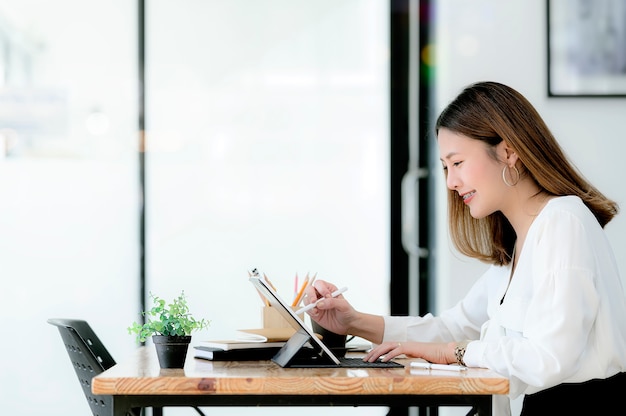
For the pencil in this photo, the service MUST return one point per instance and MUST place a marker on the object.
(313, 279)
(298, 298)
(267, 279)
(432, 366)
(312, 305)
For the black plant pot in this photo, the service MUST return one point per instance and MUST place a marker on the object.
(171, 351)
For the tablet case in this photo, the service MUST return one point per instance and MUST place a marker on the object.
(304, 349)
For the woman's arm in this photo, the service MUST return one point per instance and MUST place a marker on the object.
(337, 315)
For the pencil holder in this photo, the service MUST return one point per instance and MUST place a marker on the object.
(273, 319)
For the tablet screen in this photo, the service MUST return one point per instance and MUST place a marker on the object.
(303, 333)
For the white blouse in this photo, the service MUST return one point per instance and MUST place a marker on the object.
(562, 319)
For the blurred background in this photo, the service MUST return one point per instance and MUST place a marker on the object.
(158, 146)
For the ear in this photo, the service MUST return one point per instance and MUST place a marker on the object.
(509, 154)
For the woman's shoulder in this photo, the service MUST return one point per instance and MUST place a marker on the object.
(570, 203)
(567, 209)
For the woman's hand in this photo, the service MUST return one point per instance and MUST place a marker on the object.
(338, 316)
(334, 314)
(434, 352)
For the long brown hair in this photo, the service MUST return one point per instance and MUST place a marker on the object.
(493, 112)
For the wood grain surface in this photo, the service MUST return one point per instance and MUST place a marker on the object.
(140, 375)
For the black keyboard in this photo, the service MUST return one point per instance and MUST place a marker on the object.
(344, 362)
(355, 362)
(308, 358)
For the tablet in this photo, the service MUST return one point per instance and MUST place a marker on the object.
(304, 348)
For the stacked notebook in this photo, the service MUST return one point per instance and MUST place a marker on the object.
(249, 344)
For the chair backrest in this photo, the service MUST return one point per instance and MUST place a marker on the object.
(89, 358)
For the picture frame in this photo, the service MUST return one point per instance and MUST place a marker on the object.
(586, 48)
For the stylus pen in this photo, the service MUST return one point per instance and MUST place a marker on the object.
(431, 366)
(312, 305)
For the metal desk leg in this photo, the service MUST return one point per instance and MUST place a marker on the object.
(482, 406)
(121, 405)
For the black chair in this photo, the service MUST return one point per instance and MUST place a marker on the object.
(89, 358)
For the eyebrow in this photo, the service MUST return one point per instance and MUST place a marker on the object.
(449, 155)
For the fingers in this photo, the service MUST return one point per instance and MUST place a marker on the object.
(319, 289)
(385, 351)
(310, 295)
(324, 288)
(322, 304)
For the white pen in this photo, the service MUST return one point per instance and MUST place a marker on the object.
(312, 305)
(431, 366)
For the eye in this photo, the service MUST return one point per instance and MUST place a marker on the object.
(454, 164)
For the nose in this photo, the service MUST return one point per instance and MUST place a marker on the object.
(452, 181)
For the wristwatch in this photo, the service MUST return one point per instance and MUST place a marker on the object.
(459, 352)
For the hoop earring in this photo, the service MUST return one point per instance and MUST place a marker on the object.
(515, 181)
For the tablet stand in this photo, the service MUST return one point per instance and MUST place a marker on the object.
(296, 352)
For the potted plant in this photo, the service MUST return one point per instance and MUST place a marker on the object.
(170, 325)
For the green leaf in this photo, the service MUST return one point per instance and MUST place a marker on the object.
(167, 319)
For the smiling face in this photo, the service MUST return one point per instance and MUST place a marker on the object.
(473, 173)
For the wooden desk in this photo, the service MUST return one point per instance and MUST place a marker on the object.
(139, 382)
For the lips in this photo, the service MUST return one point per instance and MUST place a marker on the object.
(466, 197)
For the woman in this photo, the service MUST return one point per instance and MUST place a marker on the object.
(550, 312)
